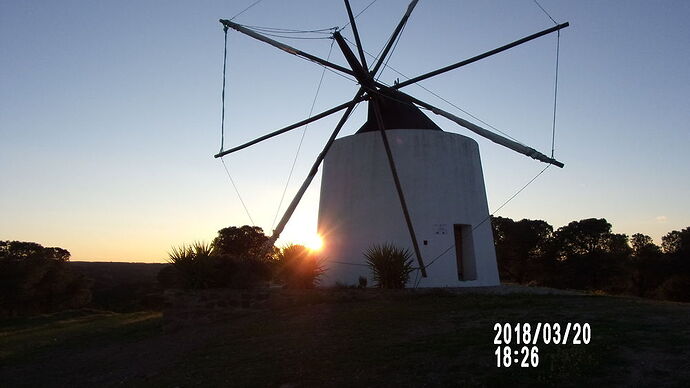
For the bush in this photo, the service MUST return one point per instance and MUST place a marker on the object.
(34, 280)
(200, 266)
(677, 289)
(390, 265)
(298, 267)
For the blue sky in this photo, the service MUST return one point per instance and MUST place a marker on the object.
(110, 113)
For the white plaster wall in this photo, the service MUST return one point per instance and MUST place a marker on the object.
(442, 180)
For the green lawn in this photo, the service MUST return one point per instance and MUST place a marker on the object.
(401, 339)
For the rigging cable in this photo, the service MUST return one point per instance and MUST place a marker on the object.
(304, 132)
(326, 31)
(237, 191)
(355, 17)
(295, 37)
(246, 9)
(555, 87)
(547, 14)
(222, 124)
(555, 94)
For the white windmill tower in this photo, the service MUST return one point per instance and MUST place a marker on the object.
(400, 179)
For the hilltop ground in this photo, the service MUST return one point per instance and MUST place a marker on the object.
(400, 339)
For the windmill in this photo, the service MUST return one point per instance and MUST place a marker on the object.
(400, 178)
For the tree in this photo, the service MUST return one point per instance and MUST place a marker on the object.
(676, 246)
(35, 279)
(519, 246)
(246, 241)
(31, 250)
(643, 245)
(590, 254)
(584, 237)
(677, 241)
(646, 268)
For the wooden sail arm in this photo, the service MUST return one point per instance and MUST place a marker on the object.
(362, 75)
(494, 137)
(394, 36)
(480, 56)
(398, 187)
(284, 47)
(314, 168)
(360, 49)
(291, 127)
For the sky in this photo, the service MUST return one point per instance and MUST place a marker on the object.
(110, 113)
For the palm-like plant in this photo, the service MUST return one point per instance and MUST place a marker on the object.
(391, 265)
(195, 263)
(298, 266)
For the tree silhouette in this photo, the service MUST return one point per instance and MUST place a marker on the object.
(677, 241)
(646, 265)
(676, 246)
(245, 241)
(591, 255)
(643, 245)
(587, 255)
(587, 237)
(520, 246)
(35, 279)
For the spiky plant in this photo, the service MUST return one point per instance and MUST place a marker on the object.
(202, 249)
(391, 266)
(195, 263)
(202, 265)
(298, 266)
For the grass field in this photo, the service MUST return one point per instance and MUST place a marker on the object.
(401, 339)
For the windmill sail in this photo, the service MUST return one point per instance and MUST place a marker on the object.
(494, 137)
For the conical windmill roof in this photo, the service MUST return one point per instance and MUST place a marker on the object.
(397, 114)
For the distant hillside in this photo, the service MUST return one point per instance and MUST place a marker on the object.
(122, 286)
(119, 272)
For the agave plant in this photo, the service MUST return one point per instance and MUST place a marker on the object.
(390, 265)
(202, 265)
(298, 267)
(195, 263)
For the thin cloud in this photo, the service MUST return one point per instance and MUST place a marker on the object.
(661, 219)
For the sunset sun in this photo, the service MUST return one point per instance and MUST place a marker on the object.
(314, 242)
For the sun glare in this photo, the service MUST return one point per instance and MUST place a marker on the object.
(314, 242)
